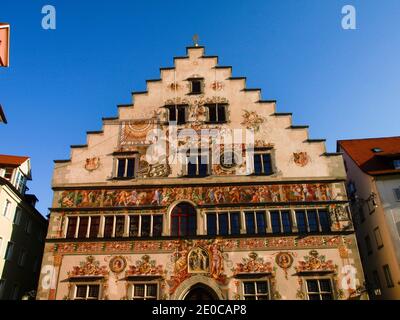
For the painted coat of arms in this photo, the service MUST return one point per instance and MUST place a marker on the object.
(92, 164)
(301, 158)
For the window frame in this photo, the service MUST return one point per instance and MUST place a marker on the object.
(131, 290)
(388, 276)
(126, 158)
(378, 242)
(217, 222)
(262, 153)
(201, 84)
(200, 153)
(320, 293)
(87, 284)
(177, 108)
(9, 253)
(256, 295)
(217, 107)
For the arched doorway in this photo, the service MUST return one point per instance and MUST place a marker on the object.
(183, 220)
(201, 292)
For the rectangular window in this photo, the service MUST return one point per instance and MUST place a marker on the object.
(223, 223)
(378, 238)
(17, 216)
(177, 113)
(301, 221)
(71, 229)
(196, 86)
(83, 226)
(22, 258)
(256, 290)
(255, 222)
(94, 227)
(388, 276)
(134, 226)
(211, 224)
(9, 251)
(126, 167)
(108, 227)
(198, 164)
(144, 291)
(119, 226)
(312, 220)
(324, 220)
(319, 289)
(281, 221)
(368, 245)
(9, 173)
(6, 208)
(28, 228)
(87, 292)
(216, 113)
(377, 283)
(396, 164)
(157, 225)
(146, 225)
(262, 164)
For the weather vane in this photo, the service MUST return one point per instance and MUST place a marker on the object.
(196, 40)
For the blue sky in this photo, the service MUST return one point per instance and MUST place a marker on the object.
(342, 83)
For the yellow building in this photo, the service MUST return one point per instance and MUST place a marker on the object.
(200, 189)
(22, 230)
(373, 169)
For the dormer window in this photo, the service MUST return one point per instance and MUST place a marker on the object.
(376, 150)
(177, 113)
(216, 113)
(196, 86)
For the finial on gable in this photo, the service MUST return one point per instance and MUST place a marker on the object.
(196, 40)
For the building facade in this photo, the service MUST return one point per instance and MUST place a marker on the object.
(22, 230)
(199, 189)
(373, 168)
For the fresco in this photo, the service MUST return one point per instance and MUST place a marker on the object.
(145, 267)
(90, 267)
(315, 262)
(253, 264)
(200, 195)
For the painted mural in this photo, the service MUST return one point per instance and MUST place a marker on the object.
(315, 262)
(90, 267)
(145, 267)
(199, 195)
(252, 264)
(136, 132)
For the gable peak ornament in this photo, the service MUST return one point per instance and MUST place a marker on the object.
(195, 39)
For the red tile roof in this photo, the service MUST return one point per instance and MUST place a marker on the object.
(373, 163)
(12, 161)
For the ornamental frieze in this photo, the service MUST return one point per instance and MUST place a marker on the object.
(225, 245)
(200, 195)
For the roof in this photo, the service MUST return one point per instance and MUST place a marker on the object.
(2, 115)
(373, 163)
(12, 161)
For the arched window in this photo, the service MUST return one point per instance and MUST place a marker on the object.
(183, 220)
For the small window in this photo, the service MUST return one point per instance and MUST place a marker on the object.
(377, 283)
(223, 223)
(368, 245)
(9, 251)
(17, 216)
(119, 226)
(262, 164)
(312, 220)
(177, 113)
(22, 258)
(281, 221)
(396, 164)
(145, 225)
(397, 194)
(8, 174)
(108, 227)
(324, 220)
(87, 292)
(157, 225)
(28, 227)
(388, 276)
(125, 167)
(94, 227)
(255, 222)
(71, 229)
(83, 226)
(6, 208)
(378, 238)
(216, 113)
(197, 164)
(134, 226)
(144, 291)
(196, 86)
(256, 290)
(301, 221)
(319, 289)
(376, 150)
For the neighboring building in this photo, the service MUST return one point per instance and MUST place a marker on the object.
(2, 115)
(129, 221)
(4, 44)
(22, 230)
(373, 170)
